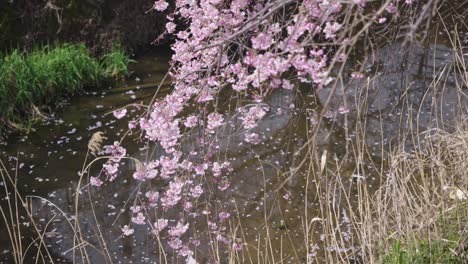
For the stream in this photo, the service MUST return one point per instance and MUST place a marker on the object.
(264, 191)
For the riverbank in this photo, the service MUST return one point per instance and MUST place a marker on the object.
(29, 81)
(96, 23)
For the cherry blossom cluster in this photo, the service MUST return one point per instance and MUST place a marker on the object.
(249, 47)
(272, 52)
(111, 168)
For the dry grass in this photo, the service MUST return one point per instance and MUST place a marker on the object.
(95, 143)
(419, 201)
(415, 211)
(418, 192)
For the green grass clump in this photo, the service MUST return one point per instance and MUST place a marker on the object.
(115, 63)
(46, 74)
(451, 248)
(424, 251)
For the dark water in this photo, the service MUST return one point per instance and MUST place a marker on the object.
(267, 191)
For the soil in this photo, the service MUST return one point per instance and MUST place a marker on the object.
(97, 23)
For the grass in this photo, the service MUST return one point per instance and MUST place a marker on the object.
(423, 252)
(409, 206)
(450, 248)
(16, 208)
(42, 76)
(411, 216)
(115, 62)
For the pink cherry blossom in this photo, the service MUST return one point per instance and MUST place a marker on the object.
(252, 138)
(196, 191)
(132, 125)
(343, 110)
(135, 209)
(127, 231)
(170, 26)
(331, 29)
(160, 225)
(200, 168)
(119, 114)
(175, 243)
(111, 170)
(314, 118)
(215, 120)
(178, 230)
(160, 5)
(362, 3)
(95, 181)
(237, 246)
(357, 75)
(253, 115)
(223, 186)
(224, 216)
(262, 41)
(191, 121)
(139, 219)
(173, 193)
(221, 48)
(188, 206)
(152, 197)
(139, 174)
(392, 9)
(116, 151)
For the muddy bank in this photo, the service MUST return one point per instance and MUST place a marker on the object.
(96, 23)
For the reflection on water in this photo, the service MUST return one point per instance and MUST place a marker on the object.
(50, 158)
(267, 192)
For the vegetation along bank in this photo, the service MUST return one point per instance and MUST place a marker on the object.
(31, 80)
